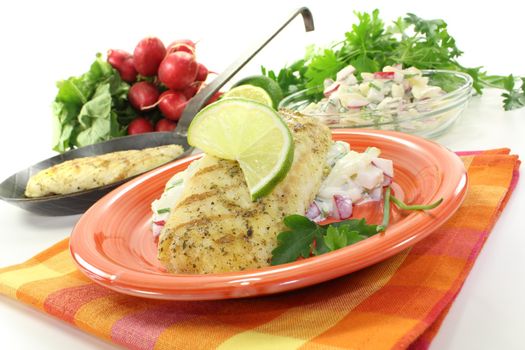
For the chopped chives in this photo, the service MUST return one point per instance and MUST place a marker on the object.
(163, 210)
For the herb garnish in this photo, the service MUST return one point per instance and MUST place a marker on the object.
(307, 238)
(370, 46)
(163, 211)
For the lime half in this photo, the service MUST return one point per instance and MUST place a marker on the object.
(249, 132)
(250, 92)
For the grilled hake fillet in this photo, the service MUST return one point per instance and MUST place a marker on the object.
(90, 172)
(215, 227)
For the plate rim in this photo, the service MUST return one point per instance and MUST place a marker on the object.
(284, 277)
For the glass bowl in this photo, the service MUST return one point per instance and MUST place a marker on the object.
(428, 118)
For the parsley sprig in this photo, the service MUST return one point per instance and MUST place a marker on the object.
(306, 238)
(371, 45)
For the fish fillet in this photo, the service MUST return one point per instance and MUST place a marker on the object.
(215, 227)
(90, 172)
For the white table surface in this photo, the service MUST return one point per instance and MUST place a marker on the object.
(46, 41)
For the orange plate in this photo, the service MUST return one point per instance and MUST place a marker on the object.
(113, 244)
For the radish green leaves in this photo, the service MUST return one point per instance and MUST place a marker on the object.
(90, 108)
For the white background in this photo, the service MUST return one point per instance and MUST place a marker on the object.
(42, 42)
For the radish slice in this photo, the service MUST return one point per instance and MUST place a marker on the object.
(157, 227)
(342, 207)
(367, 76)
(345, 73)
(385, 165)
(357, 103)
(384, 75)
(350, 80)
(313, 211)
(330, 89)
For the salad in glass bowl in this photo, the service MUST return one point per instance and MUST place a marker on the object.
(424, 102)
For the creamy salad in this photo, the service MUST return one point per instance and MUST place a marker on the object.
(392, 91)
(350, 178)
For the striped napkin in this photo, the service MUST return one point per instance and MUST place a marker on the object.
(398, 303)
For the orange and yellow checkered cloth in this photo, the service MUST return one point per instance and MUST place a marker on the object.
(398, 303)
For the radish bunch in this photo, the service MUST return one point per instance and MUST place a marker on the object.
(163, 80)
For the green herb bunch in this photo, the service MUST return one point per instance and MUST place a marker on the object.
(371, 45)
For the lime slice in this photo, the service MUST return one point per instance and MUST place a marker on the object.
(269, 85)
(249, 132)
(250, 92)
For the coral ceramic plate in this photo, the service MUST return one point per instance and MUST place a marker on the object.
(113, 244)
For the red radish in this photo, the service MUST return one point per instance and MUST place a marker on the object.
(178, 70)
(157, 227)
(148, 54)
(142, 95)
(214, 98)
(122, 61)
(330, 89)
(202, 72)
(127, 70)
(384, 75)
(116, 57)
(139, 125)
(172, 104)
(192, 89)
(182, 45)
(345, 73)
(165, 125)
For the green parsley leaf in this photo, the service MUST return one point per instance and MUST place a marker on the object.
(308, 238)
(335, 238)
(358, 225)
(321, 67)
(297, 242)
(320, 246)
(341, 236)
(514, 98)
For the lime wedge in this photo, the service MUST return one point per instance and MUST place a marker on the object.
(269, 85)
(250, 92)
(249, 132)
